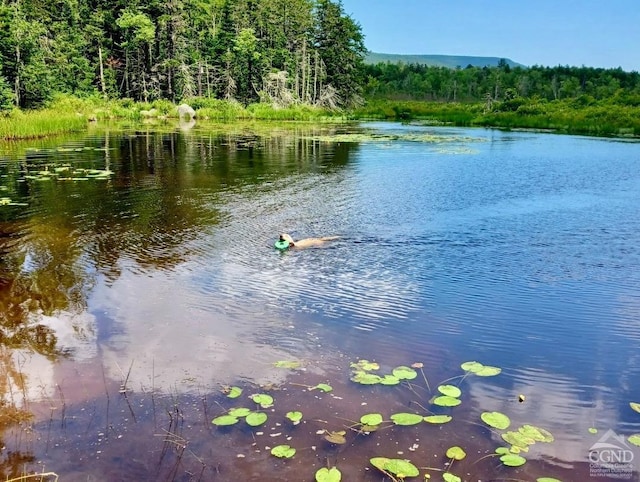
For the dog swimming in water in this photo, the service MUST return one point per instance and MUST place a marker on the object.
(286, 242)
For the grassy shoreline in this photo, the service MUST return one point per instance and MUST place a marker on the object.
(575, 116)
(567, 116)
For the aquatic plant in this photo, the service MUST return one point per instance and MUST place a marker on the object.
(36, 124)
(7, 201)
(399, 468)
(255, 419)
(262, 399)
(496, 420)
(336, 437)
(450, 391)
(233, 392)
(328, 475)
(287, 364)
(283, 451)
(479, 369)
(436, 419)
(634, 439)
(406, 418)
(512, 460)
(367, 373)
(295, 417)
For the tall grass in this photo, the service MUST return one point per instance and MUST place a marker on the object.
(42, 123)
(567, 116)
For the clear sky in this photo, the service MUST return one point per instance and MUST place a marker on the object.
(594, 33)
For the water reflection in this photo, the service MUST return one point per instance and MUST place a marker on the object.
(82, 265)
(162, 278)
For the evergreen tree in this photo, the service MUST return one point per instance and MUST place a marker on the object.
(340, 45)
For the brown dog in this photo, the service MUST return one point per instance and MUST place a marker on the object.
(306, 243)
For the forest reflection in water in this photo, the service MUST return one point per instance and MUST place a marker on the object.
(70, 246)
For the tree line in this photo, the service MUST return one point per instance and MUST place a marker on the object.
(280, 51)
(500, 84)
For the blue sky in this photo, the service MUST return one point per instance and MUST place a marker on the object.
(594, 33)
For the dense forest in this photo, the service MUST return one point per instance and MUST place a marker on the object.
(398, 81)
(279, 51)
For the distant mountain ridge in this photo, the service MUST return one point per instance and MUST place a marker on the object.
(450, 61)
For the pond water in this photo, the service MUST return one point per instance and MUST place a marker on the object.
(138, 282)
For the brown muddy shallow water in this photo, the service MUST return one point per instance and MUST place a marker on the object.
(138, 283)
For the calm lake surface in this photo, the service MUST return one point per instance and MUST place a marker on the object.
(130, 300)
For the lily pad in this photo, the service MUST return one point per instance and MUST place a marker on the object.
(496, 420)
(234, 392)
(337, 437)
(502, 450)
(328, 475)
(438, 418)
(445, 401)
(239, 412)
(547, 479)
(516, 449)
(513, 460)
(262, 399)
(323, 387)
(634, 439)
(635, 406)
(389, 380)
(255, 419)
(365, 378)
(283, 451)
(450, 391)
(456, 453)
(365, 365)
(371, 419)
(517, 439)
(487, 371)
(295, 417)
(225, 420)
(471, 366)
(397, 467)
(368, 428)
(449, 477)
(406, 418)
(404, 373)
(536, 433)
(480, 369)
(287, 364)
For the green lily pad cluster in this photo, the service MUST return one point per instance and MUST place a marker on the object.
(371, 422)
(253, 419)
(520, 440)
(450, 396)
(262, 399)
(479, 369)
(361, 373)
(7, 201)
(69, 173)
